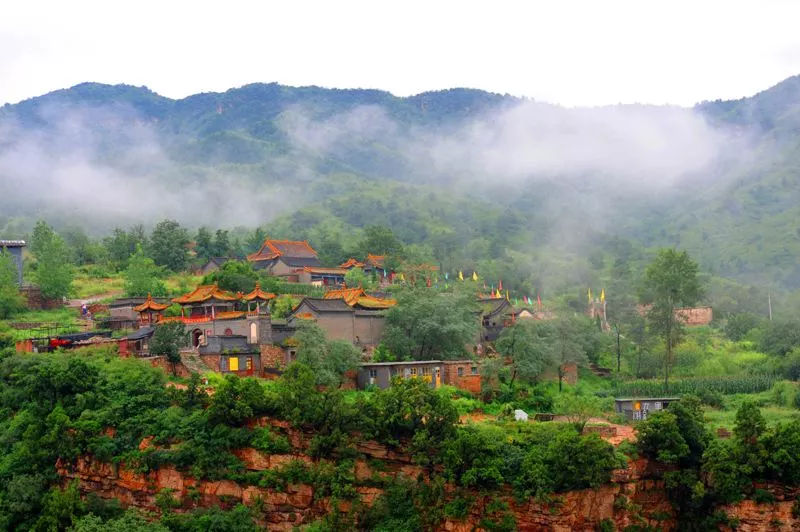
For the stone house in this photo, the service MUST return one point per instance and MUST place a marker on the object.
(637, 408)
(283, 258)
(462, 374)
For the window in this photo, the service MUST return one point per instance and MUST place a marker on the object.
(413, 372)
(460, 372)
(373, 373)
(228, 332)
(474, 370)
(253, 333)
(233, 363)
(249, 363)
(426, 371)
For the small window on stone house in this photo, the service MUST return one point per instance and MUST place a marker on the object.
(413, 372)
(373, 373)
(460, 372)
(474, 370)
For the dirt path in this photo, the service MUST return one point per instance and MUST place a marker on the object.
(93, 299)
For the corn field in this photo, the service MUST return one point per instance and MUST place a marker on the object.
(695, 385)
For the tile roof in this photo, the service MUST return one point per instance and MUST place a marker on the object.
(149, 304)
(374, 303)
(324, 271)
(351, 263)
(258, 293)
(143, 332)
(357, 297)
(205, 292)
(271, 249)
(325, 305)
(12, 243)
(376, 260)
(230, 315)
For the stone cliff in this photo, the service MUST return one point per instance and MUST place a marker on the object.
(635, 495)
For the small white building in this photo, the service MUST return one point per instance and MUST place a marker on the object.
(520, 415)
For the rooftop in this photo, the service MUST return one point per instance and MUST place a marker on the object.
(203, 293)
(259, 294)
(149, 304)
(271, 249)
(12, 243)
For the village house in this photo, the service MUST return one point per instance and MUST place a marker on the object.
(123, 313)
(462, 374)
(321, 276)
(14, 248)
(284, 258)
(213, 264)
(637, 408)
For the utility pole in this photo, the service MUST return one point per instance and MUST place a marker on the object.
(769, 304)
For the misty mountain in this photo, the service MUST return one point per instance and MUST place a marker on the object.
(720, 179)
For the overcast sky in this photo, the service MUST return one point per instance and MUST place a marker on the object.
(570, 52)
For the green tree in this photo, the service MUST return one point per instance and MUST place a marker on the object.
(356, 277)
(427, 325)
(54, 272)
(380, 240)
(234, 276)
(738, 325)
(524, 347)
(11, 301)
(578, 409)
(167, 341)
(564, 346)
(122, 244)
(671, 282)
(255, 240)
(203, 244)
(328, 360)
(281, 306)
(168, 245)
(142, 276)
(780, 337)
(222, 244)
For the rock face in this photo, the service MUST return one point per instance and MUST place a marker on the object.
(634, 496)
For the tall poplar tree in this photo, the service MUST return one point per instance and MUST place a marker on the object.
(670, 283)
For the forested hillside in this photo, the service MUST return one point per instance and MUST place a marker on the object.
(524, 190)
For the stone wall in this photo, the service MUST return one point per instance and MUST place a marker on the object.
(163, 363)
(695, 316)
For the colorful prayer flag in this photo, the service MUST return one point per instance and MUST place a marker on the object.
(474, 276)
(589, 295)
(602, 295)
(460, 275)
(500, 285)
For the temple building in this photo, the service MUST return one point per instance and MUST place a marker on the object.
(346, 314)
(150, 312)
(207, 301)
(258, 297)
(496, 314)
(374, 264)
(284, 258)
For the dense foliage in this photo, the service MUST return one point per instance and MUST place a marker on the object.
(59, 406)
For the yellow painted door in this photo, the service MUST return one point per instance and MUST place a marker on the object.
(233, 363)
